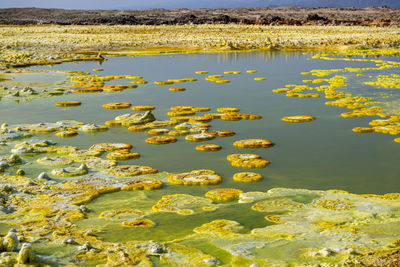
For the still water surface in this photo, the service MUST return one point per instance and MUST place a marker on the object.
(322, 154)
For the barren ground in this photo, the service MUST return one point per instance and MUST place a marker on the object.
(264, 16)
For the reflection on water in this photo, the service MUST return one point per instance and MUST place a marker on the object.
(230, 58)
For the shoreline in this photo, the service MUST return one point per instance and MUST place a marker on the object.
(53, 44)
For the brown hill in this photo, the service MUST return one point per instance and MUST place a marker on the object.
(264, 16)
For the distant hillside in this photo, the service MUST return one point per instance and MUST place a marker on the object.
(170, 4)
(330, 3)
(173, 4)
(287, 15)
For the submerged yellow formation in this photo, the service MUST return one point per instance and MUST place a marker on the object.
(312, 226)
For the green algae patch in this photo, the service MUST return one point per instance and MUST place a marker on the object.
(28, 85)
(219, 228)
(310, 226)
(277, 205)
(138, 223)
(329, 226)
(187, 255)
(207, 247)
(223, 194)
(129, 215)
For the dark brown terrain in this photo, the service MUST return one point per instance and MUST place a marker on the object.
(381, 16)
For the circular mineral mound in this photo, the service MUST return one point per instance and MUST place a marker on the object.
(87, 90)
(113, 89)
(181, 108)
(200, 128)
(63, 134)
(250, 116)
(113, 123)
(232, 72)
(280, 90)
(139, 82)
(253, 143)
(199, 137)
(139, 223)
(180, 113)
(214, 116)
(231, 117)
(63, 150)
(70, 171)
(142, 184)
(163, 82)
(180, 119)
(143, 108)
(158, 131)
(209, 147)
(122, 155)
(363, 130)
(250, 163)
(54, 160)
(223, 194)
(89, 128)
(138, 128)
(247, 177)
(85, 153)
(196, 177)
(221, 133)
(121, 213)
(177, 89)
(233, 157)
(201, 109)
(130, 119)
(130, 170)
(68, 103)
(110, 146)
(159, 124)
(195, 119)
(100, 184)
(117, 105)
(298, 118)
(227, 110)
(97, 163)
(43, 128)
(178, 132)
(161, 140)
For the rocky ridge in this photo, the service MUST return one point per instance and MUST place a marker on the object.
(381, 16)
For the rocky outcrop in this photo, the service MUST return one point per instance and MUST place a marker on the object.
(382, 16)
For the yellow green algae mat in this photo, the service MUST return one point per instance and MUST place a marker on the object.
(264, 159)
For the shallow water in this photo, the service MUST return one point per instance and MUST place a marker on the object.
(322, 154)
